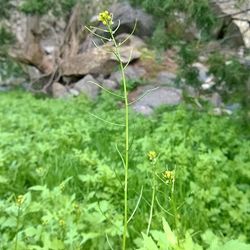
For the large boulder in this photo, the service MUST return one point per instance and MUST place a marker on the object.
(235, 21)
(59, 91)
(87, 87)
(96, 61)
(154, 98)
(166, 78)
(128, 15)
(131, 72)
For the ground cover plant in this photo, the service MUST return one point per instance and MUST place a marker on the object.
(61, 177)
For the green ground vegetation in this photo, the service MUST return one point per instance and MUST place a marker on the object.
(61, 178)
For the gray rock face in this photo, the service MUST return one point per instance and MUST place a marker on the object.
(96, 61)
(202, 70)
(156, 98)
(238, 32)
(89, 89)
(128, 16)
(190, 91)
(59, 91)
(216, 100)
(165, 77)
(110, 84)
(131, 40)
(131, 72)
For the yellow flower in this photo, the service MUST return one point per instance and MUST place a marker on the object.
(20, 200)
(169, 175)
(62, 187)
(106, 18)
(152, 155)
(62, 223)
(45, 222)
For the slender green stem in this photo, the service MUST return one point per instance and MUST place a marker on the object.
(17, 226)
(125, 223)
(152, 199)
(151, 209)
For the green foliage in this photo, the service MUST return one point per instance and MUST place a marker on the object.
(41, 7)
(65, 163)
(229, 70)
(5, 8)
(5, 36)
(160, 39)
(167, 240)
(165, 12)
(36, 7)
(188, 54)
(9, 69)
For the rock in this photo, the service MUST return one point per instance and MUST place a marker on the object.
(74, 92)
(216, 100)
(204, 77)
(89, 89)
(96, 61)
(33, 73)
(89, 43)
(128, 15)
(59, 91)
(202, 70)
(235, 26)
(131, 40)
(4, 88)
(165, 77)
(131, 72)
(128, 54)
(233, 107)
(110, 84)
(144, 110)
(190, 91)
(156, 98)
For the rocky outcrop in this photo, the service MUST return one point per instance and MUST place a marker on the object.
(96, 61)
(236, 17)
(87, 87)
(154, 98)
(128, 16)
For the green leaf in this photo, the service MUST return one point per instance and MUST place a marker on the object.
(3, 180)
(170, 235)
(235, 245)
(149, 244)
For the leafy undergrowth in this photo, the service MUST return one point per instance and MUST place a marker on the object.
(61, 179)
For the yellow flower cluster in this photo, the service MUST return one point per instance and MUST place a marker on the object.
(62, 223)
(19, 200)
(152, 155)
(106, 18)
(169, 175)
